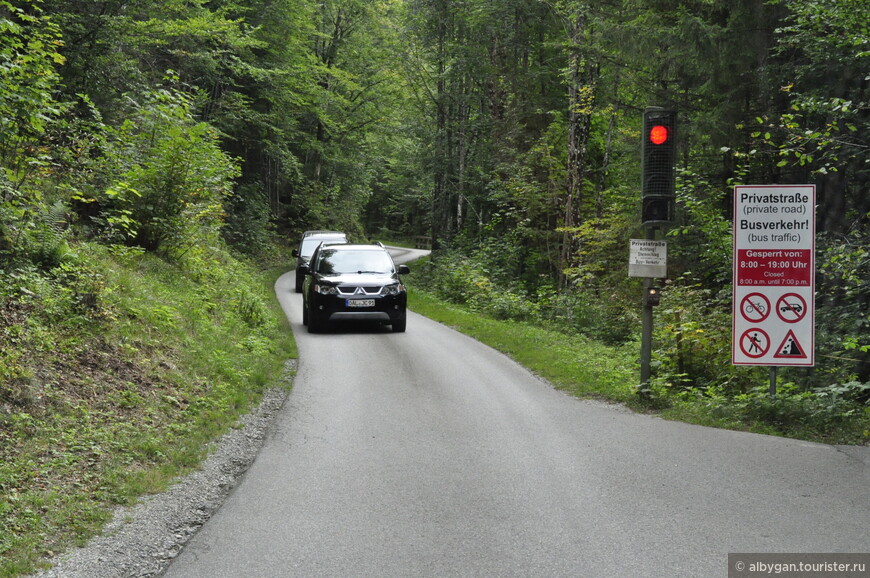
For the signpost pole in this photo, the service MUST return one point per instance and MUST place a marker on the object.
(648, 260)
(772, 389)
(646, 340)
(646, 329)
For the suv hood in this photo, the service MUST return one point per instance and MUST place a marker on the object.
(360, 279)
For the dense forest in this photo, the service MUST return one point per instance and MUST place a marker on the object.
(508, 132)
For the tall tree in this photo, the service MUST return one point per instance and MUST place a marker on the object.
(581, 77)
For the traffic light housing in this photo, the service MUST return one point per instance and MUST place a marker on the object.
(652, 296)
(658, 157)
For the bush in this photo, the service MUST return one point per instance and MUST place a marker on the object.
(489, 288)
(248, 228)
(831, 414)
(167, 178)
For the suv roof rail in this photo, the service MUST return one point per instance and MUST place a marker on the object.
(323, 232)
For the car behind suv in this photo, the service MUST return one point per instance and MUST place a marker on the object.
(310, 241)
(353, 283)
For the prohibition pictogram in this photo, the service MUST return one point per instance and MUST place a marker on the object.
(754, 343)
(791, 308)
(755, 307)
(790, 348)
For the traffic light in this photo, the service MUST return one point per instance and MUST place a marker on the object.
(658, 156)
(652, 296)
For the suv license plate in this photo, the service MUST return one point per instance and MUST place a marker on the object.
(360, 302)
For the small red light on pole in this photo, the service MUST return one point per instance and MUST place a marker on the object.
(652, 297)
(658, 134)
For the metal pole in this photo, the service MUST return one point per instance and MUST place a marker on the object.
(772, 389)
(646, 341)
(646, 329)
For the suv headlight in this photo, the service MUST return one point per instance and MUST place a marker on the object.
(326, 289)
(394, 289)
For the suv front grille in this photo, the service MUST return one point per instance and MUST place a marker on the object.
(355, 290)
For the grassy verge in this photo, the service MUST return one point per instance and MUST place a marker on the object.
(577, 365)
(589, 369)
(116, 375)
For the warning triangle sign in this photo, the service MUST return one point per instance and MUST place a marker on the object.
(790, 348)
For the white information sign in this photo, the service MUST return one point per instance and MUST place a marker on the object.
(647, 258)
(774, 275)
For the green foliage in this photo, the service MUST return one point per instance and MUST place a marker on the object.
(698, 243)
(250, 308)
(486, 281)
(843, 305)
(248, 227)
(115, 371)
(830, 415)
(693, 342)
(178, 172)
(32, 232)
(29, 51)
(164, 179)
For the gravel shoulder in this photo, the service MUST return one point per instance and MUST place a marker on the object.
(142, 540)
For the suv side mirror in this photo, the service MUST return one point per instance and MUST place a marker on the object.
(295, 252)
(403, 270)
(304, 269)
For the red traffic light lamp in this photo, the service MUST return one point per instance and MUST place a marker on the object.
(658, 134)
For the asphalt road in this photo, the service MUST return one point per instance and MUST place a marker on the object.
(428, 454)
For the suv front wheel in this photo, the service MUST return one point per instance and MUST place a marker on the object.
(315, 324)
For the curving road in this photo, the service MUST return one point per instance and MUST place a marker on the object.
(429, 454)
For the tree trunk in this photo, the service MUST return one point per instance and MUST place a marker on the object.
(440, 204)
(581, 95)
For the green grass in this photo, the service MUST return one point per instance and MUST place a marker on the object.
(113, 401)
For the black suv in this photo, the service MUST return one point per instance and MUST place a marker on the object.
(310, 241)
(353, 283)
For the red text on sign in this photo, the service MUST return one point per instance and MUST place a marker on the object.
(779, 267)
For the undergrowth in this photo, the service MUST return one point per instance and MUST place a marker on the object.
(116, 369)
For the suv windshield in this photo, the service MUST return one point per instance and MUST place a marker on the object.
(337, 262)
(309, 244)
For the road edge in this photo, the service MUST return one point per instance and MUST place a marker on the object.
(142, 540)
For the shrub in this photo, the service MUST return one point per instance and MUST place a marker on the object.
(168, 178)
(831, 414)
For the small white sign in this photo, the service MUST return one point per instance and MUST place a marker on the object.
(647, 258)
